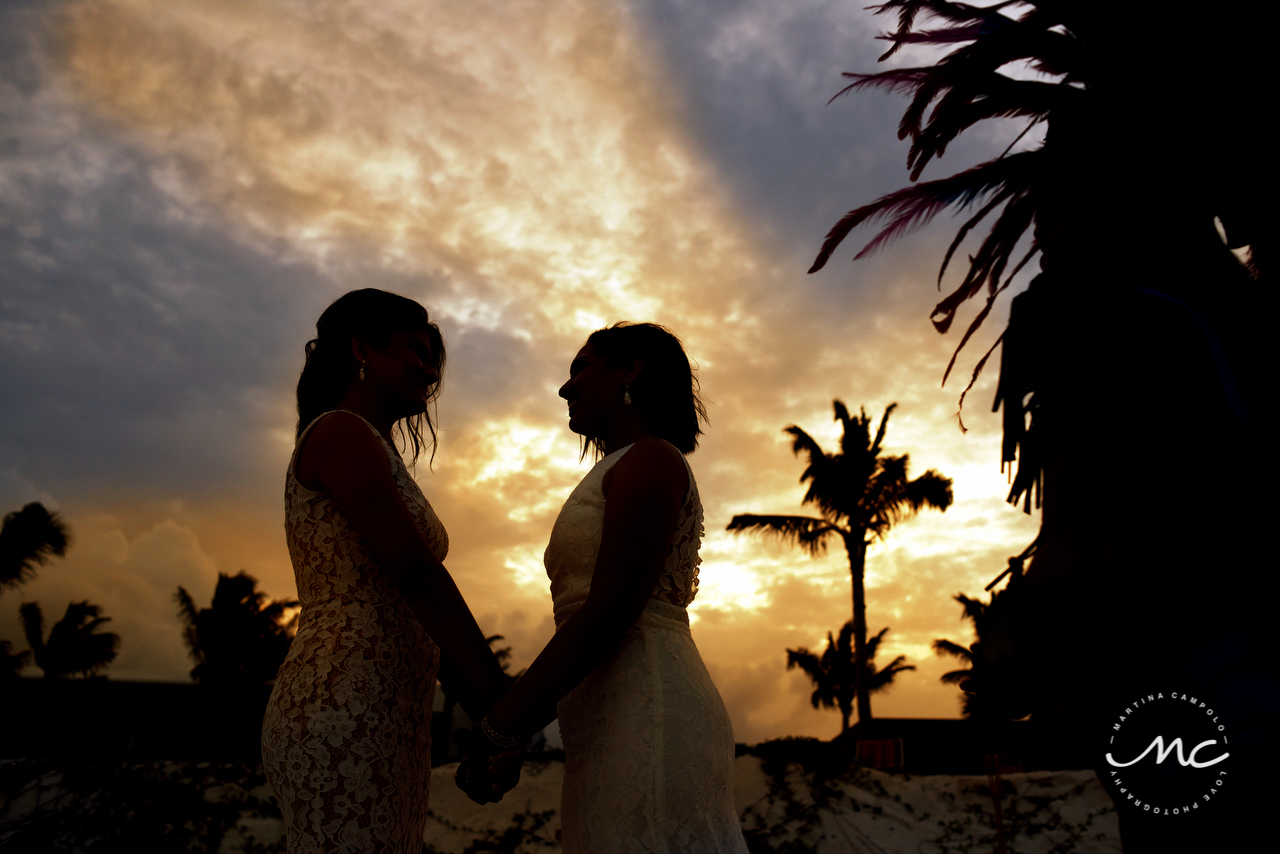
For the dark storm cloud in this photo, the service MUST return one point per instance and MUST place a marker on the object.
(134, 325)
(754, 80)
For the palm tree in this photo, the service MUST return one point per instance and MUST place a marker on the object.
(74, 645)
(833, 674)
(242, 638)
(988, 692)
(975, 611)
(30, 536)
(1096, 61)
(1134, 366)
(862, 494)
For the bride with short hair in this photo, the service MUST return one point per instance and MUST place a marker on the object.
(649, 747)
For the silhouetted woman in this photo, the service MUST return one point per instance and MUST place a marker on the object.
(648, 745)
(346, 741)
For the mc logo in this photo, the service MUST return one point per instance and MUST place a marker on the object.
(1175, 747)
(1140, 744)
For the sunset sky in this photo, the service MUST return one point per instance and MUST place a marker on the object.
(184, 186)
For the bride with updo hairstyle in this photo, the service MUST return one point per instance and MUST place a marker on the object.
(346, 736)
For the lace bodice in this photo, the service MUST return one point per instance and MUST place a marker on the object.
(330, 561)
(570, 558)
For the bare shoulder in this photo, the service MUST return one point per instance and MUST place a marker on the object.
(336, 440)
(653, 451)
(652, 464)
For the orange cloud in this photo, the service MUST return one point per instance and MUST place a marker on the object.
(525, 164)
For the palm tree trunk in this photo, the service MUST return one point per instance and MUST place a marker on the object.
(855, 543)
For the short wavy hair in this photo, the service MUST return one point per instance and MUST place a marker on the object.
(330, 368)
(666, 392)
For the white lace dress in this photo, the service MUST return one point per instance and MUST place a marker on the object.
(648, 744)
(345, 741)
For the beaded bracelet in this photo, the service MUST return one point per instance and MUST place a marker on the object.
(498, 739)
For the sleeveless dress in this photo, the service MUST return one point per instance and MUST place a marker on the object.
(648, 744)
(345, 742)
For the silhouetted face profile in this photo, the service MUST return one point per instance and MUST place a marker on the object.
(402, 353)
(403, 372)
(594, 392)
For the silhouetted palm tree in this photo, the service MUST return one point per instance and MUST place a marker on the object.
(975, 612)
(30, 536)
(242, 638)
(1135, 365)
(1096, 61)
(74, 645)
(834, 673)
(862, 494)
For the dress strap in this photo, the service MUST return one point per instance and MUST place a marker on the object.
(293, 460)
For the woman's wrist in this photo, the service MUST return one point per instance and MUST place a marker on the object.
(497, 737)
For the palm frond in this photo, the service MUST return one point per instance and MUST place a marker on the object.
(884, 425)
(806, 531)
(503, 654)
(873, 643)
(930, 489)
(961, 109)
(911, 207)
(190, 616)
(974, 610)
(855, 440)
(988, 263)
(819, 460)
(883, 677)
(29, 538)
(982, 315)
(942, 646)
(824, 694)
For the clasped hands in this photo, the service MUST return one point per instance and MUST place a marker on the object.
(487, 771)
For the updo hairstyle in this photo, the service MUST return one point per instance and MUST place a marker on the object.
(331, 367)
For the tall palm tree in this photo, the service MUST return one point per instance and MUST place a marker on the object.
(30, 536)
(242, 638)
(1134, 367)
(861, 493)
(834, 672)
(75, 644)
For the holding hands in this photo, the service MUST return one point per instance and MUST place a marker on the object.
(491, 766)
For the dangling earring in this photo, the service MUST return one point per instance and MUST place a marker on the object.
(626, 394)
(362, 372)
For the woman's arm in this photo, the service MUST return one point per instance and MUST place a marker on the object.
(643, 495)
(343, 458)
